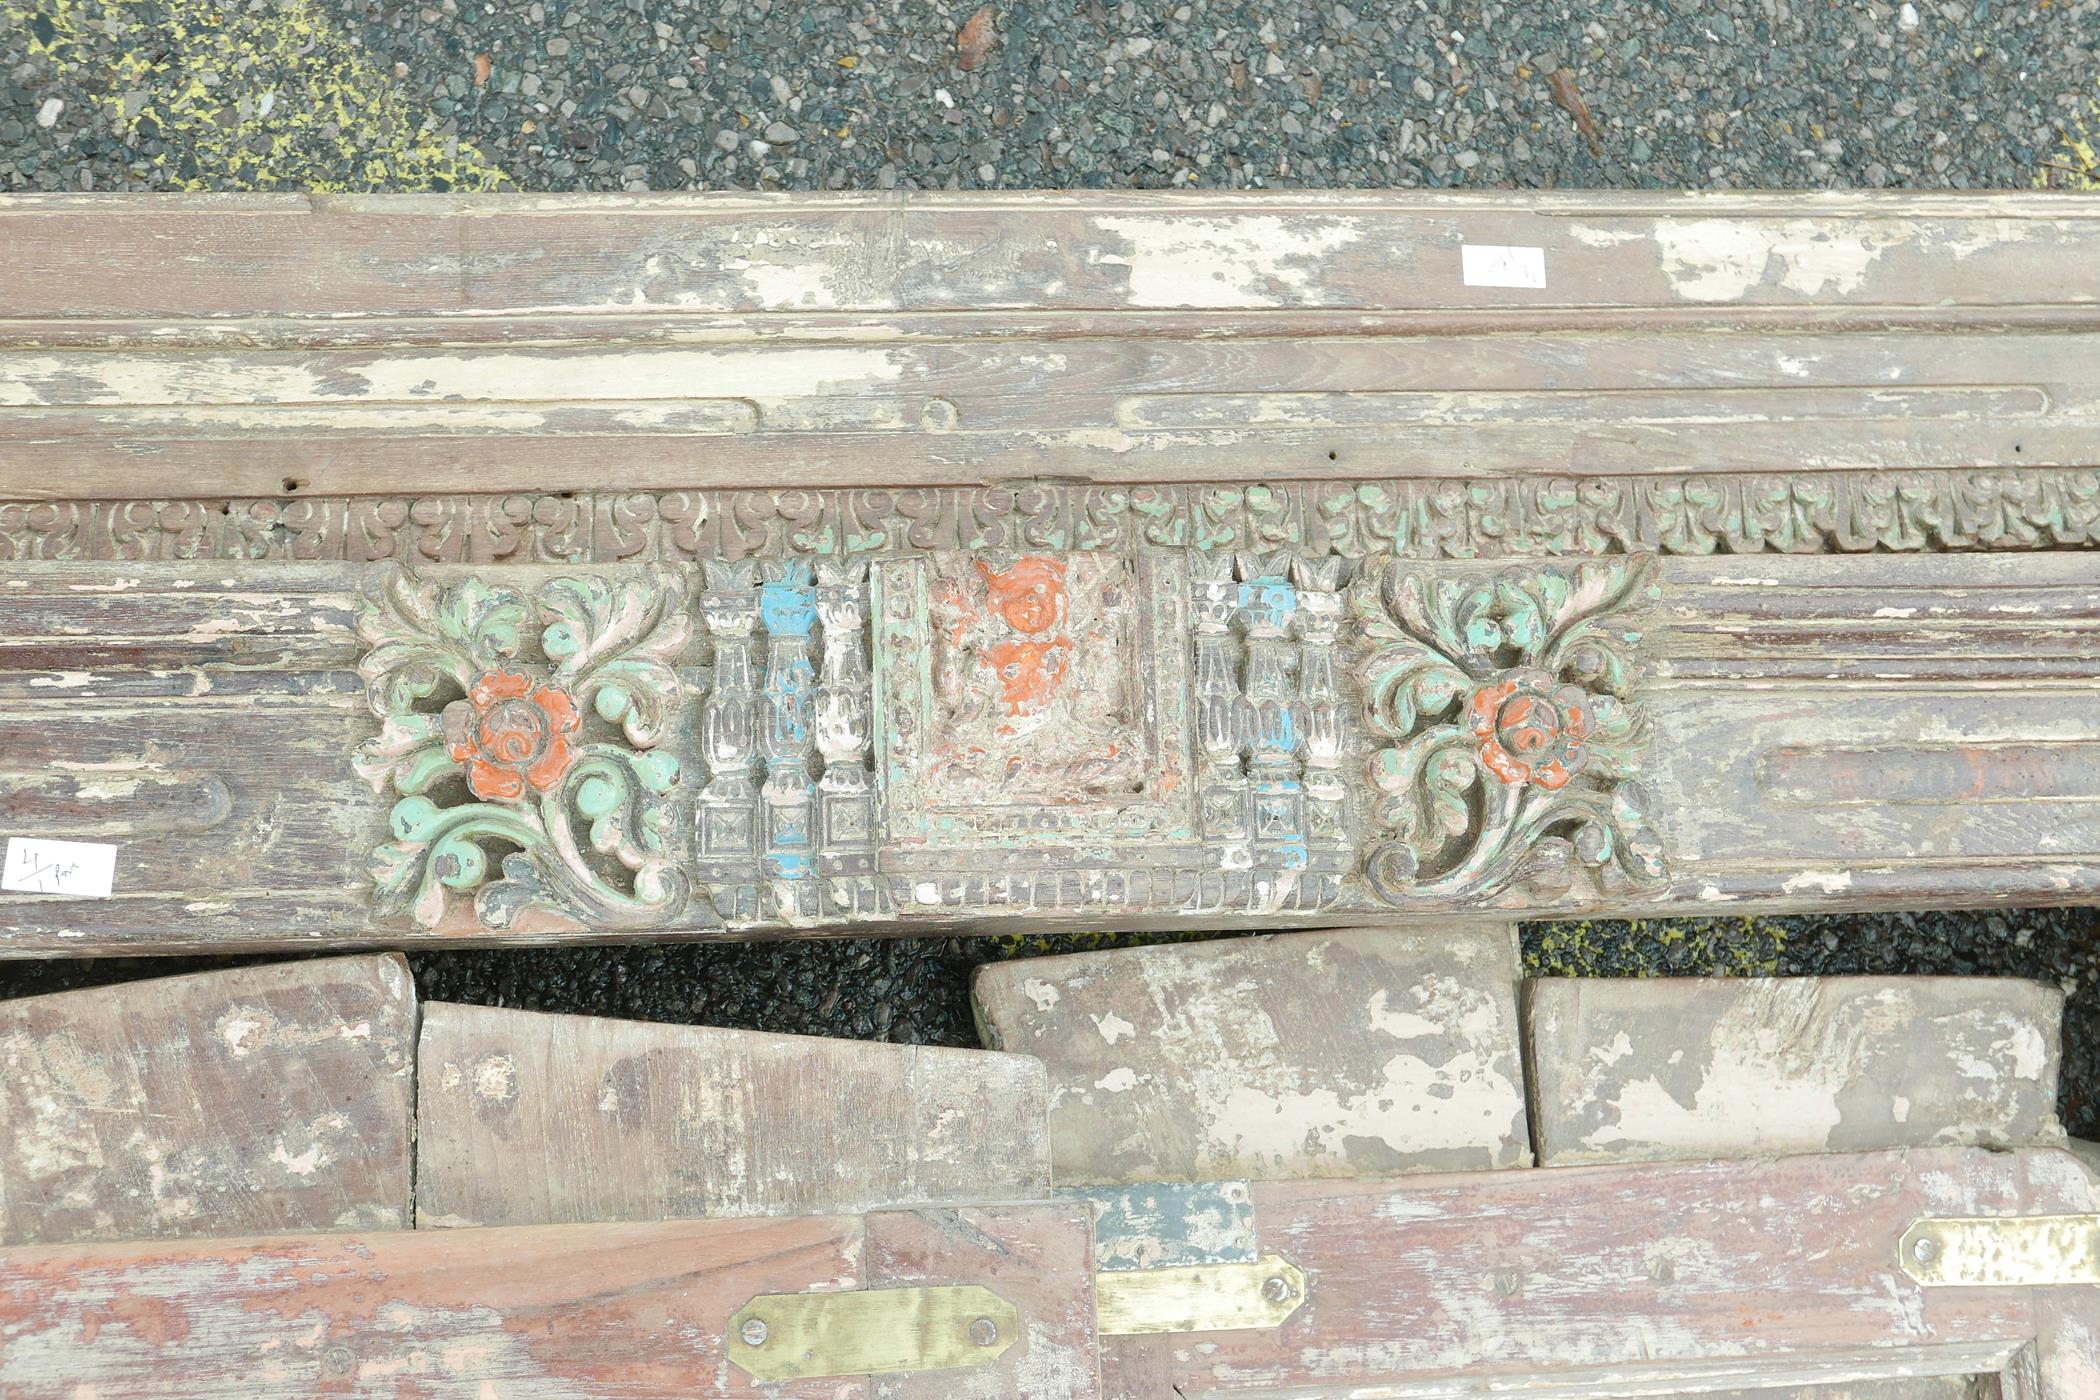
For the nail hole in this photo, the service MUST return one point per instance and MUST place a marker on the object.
(291, 484)
(1332, 456)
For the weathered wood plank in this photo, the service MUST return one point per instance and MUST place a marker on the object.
(1819, 733)
(222, 1103)
(1642, 1070)
(529, 1119)
(1360, 1053)
(612, 1310)
(99, 256)
(1619, 1280)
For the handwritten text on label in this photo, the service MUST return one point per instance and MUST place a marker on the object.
(1491, 265)
(37, 866)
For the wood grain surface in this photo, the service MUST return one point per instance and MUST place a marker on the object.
(222, 1103)
(1631, 1280)
(603, 1310)
(1359, 1053)
(531, 1119)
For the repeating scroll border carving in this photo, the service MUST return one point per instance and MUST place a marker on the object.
(1489, 517)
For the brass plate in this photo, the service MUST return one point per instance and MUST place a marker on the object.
(2002, 1252)
(1203, 1298)
(793, 1336)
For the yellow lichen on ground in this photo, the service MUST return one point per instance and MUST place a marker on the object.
(1692, 947)
(2076, 165)
(250, 97)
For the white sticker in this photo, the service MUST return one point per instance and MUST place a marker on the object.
(37, 866)
(1489, 265)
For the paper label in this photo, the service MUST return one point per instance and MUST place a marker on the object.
(1491, 265)
(37, 866)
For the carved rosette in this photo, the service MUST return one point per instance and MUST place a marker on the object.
(538, 761)
(1510, 735)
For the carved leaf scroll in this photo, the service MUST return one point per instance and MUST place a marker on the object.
(1510, 732)
(528, 778)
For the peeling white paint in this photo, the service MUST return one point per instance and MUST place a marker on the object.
(1111, 1026)
(1247, 261)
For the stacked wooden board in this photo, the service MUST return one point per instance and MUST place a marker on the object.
(1283, 1166)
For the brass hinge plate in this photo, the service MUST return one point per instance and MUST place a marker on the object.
(1203, 1298)
(2035, 1251)
(796, 1336)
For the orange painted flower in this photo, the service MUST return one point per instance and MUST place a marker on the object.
(1529, 730)
(510, 732)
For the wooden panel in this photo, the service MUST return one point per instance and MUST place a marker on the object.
(605, 1310)
(1365, 1052)
(1818, 733)
(224, 1103)
(266, 255)
(1630, 1275)
(527, 1119)
(1647, 1069)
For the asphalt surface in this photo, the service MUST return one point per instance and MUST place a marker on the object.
(753, 94)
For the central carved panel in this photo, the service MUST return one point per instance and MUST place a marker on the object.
(1034, 702)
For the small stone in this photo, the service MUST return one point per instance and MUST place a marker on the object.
(47, 115)
(557, 47)
(1907, 17)
(1423, 90)
(725, 140)
(781, 134)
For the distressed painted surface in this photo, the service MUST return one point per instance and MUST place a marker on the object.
(224, 1103)
(1860, 733)
(565, 1312)
(527, 1119)
(1623, 1280)
(1512, 695)
(738, 254)
(1677, 1067)
(1169, 1224)
(485, 742)
(1358, 1053)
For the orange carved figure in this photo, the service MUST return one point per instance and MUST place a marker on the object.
(1029, 596)
(510, 732)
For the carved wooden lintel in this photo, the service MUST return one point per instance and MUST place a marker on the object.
(970, 734)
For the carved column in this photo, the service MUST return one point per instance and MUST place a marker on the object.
(845, 716)
(1318, 625)
(1267, 602)
(726, 814)
(787, 608)
(1220, 711)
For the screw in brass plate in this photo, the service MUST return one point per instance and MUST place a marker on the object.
(1925, 1249)
(984, 1332)
(1277, 1289)
(753, 1332)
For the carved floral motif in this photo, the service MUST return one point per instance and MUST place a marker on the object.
(491, 755)
(1511, 735)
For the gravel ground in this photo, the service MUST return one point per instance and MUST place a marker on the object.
(628, 94)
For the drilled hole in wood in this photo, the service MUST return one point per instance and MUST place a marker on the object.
(292, 484)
